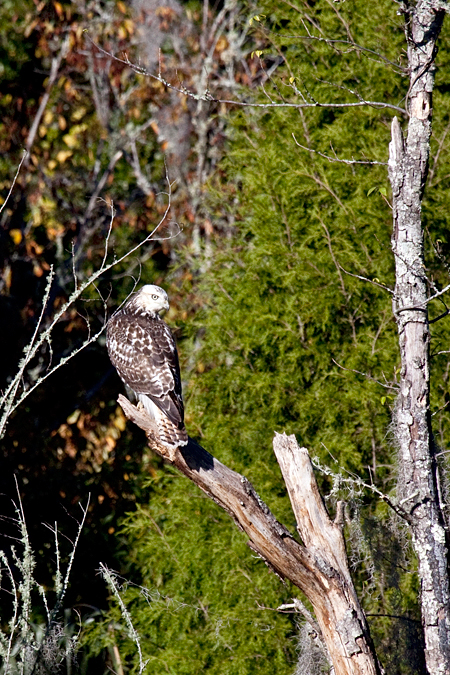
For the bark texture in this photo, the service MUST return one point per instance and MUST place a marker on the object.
(408, 166)
(318, 567)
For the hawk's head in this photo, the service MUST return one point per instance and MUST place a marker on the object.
(151, 299)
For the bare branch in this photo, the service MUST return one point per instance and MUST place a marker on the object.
(56, 63)
(110, 578)
(9, 400)
(356, 481)
(298, 606)
(371, 281)
(366, 375)
(206, 95)
(25, 155)
(350, 42)
(315, 567)
(337, 159)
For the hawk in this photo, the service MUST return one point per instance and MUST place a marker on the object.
(142, 349)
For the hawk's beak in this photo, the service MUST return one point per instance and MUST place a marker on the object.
(165, 308)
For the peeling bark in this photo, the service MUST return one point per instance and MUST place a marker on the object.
(318, 566)
(418, 475)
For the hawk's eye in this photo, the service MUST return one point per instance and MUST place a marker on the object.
(154, 297)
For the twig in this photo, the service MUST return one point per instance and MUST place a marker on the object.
(8, 400)
(356, 480)
(366, 375)
(441, 316)
(62, 584)
(206, 96)
(336, 159)
(298, 606)
(56, 62)
(25, 155)
(341, 41)
(371, 281)
(110, 579)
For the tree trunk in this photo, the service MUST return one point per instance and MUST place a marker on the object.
(318, 567)
(418, 475)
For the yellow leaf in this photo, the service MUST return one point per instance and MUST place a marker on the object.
(120, 420)
(52, 164)
(222, 44)
(30, 28)
(63, 155)
(16, 236)
(37, 270)
(58, 8)
(122, 7)
(73, 417)
(70, 140)
(62, 122)
(78, 114)
(129, 25)
(48, 117)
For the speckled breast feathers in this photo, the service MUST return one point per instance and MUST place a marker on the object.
(143, 350)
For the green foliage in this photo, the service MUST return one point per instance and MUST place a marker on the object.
(203, 601)
(289, 337)
(281, 327)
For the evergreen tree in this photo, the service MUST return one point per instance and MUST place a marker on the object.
(288, 337)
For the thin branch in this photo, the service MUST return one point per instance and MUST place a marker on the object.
(62, 585)
(298, 606)
(9, 398)
(441, 316)
(371, 281)
(351, 43)
(110, 578)
(25, 155)
(439, 293)
(101, 183)
(357, 481)
(366, 375)
(336, 159)
(206, 96)
(56, 62)
(28, 352)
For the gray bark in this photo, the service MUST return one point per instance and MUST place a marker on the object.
(418, 475)
(318, 566)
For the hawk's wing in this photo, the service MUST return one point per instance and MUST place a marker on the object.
(143, 351)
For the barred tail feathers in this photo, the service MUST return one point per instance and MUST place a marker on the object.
(169, 434)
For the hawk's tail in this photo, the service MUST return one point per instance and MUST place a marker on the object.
(169, 434)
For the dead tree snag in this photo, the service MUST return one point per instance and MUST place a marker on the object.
(418, 470)
(318, 566)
